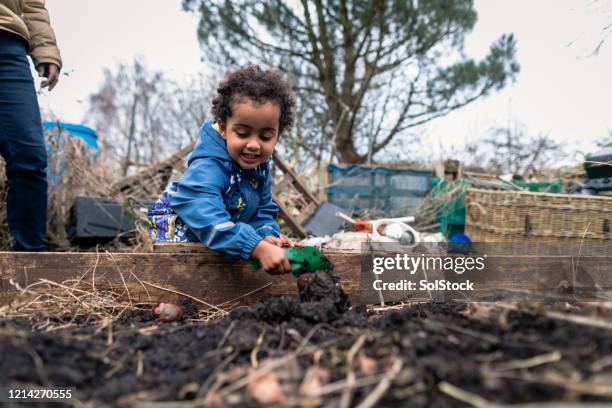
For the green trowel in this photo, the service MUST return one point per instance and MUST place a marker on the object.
(306, 259)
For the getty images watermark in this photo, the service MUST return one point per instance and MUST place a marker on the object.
(485, 272)
(411, 264)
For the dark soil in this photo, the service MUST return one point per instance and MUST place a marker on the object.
(468, 346)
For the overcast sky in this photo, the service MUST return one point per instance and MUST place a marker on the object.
(561, 90)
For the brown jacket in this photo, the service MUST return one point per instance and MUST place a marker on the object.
(30, 20)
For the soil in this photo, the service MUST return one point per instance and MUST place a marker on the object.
(423, 349)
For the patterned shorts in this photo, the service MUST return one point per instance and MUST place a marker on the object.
(166, 225)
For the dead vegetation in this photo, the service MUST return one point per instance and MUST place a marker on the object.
(75, 170)
(93, 299)
(309, 353)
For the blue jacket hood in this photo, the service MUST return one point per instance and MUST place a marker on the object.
(210, 144)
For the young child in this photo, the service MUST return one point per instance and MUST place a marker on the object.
(224, 199)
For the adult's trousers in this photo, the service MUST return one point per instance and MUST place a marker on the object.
(22, 146)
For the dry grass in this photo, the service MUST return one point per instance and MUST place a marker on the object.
(93, 299)
(73, 171)
(440, 203)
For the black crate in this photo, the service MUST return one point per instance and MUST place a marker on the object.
(100, 219)
(599, 164)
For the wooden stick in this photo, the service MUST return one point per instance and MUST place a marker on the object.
(120, 274)
(184, 294)
(260, 372)
(465, 396)
(347, 393)
(529, 362)
(342, 384)
(246, 294)
(384, 384)
(589, 388)
(254, 362)
(581, 320)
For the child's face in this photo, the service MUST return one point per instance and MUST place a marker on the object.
(251, 132)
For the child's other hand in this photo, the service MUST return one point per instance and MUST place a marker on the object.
(283, 241)
(272, 257)
(289, 243)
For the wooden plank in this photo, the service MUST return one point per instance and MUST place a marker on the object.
(306, 213)
(296, 182)
(281, 185)
(208, 276)
(164, 168)
(284, 214)
(181, 247)
(290, 178)
(215, 279)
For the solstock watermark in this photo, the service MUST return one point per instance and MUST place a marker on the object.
(484, 272)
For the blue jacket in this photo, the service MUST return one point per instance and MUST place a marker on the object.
(227, 208)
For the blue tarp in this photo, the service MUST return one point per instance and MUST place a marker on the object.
(55, 142)
(87, 134)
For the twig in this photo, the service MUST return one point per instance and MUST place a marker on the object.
(384, 384)
(341, 385)
(598, 162)
(68, 291)
(206, 388)
(575, 269)
(50, 282)
(186, 295)
(139, 363)
(109, 336)
(38, 362)
(581, 320)
(529, 362)
(253, 376)
(441, 327)
(559, 404)
(601, 363)
(93, 273)
(120, 274)
(246, 294)
(589, 388)
(255, 350)
(226, 334)
(347, 393)
(166, 404)
(465, 396)
(141, 284)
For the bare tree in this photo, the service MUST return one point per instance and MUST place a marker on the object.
(365, 71)
(142, 116)
(606, 141)
(511, 149)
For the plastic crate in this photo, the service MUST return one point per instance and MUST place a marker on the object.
(393, 191)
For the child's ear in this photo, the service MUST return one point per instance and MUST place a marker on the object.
(222, 128)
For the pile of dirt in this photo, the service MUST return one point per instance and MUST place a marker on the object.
(319, 350)
(321, 300)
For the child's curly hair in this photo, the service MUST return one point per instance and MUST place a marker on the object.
(258, 85)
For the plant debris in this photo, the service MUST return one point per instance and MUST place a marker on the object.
(319, 350)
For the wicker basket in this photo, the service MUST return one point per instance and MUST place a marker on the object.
(539, 218)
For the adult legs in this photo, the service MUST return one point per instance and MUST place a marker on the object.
(22, 146)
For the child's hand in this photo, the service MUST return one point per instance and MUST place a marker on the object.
(283, 241)
(273, 259)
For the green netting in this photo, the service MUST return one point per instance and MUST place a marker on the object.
(549, 186)
(450, 208)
